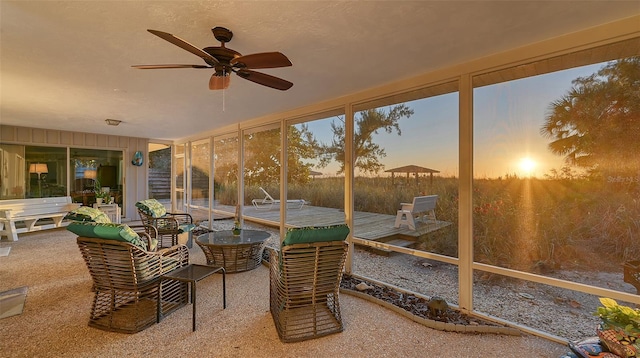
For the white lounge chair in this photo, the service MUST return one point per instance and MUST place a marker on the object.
(422, 206)
(268, 202)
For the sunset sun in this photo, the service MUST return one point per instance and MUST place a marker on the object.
(527, 165)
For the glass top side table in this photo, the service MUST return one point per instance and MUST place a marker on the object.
(236, 253)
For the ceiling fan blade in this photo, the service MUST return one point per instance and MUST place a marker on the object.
(261, 60)
(219, 82)
(183, 44)
(150, 67)
(265, 79)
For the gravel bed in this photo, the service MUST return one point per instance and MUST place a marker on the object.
(434, 309)
(561, 312)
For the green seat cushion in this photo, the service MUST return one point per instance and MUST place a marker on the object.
(108, 231)
(87, 213)
(152, 207)
(316, 234)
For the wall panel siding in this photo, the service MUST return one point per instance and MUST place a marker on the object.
(66, 138)
(53, 137)
(23, 134)
(78, 138)
(101, 140)
(112, 141)
(7, 134)
(90, 140)
(39, 136)
(134, 179)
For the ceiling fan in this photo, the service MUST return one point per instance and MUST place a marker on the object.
(225, 61)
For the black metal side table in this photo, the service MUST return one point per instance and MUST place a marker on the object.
(191, 274)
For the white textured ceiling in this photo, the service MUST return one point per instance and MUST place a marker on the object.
(67, 64)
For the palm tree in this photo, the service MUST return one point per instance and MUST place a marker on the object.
(596, 125)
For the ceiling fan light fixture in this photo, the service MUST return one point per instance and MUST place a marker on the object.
(112, 122)
(219, 80)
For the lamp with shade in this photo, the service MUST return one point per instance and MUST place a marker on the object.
(90, 174)
(38, 168)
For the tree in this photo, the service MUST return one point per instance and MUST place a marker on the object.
(262, 156)
(596, 125)
(366, 154)
(302, 145)
(160, 159)
(225, 161)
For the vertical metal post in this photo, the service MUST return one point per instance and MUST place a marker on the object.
(240, 199)
(465, 204)
(211, 184)
(283, 178)
(348, 180)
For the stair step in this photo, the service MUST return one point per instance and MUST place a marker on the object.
(400, 242)
(396, 242)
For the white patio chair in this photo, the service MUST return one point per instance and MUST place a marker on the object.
(268, 202)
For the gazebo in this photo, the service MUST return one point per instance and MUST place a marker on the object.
(412, 169)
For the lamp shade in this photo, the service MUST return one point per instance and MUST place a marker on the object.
(38, 168)
(90, 174)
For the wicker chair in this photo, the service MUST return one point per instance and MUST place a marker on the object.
(168, 225)
(126, 280)
(632, 274)
(304, 286)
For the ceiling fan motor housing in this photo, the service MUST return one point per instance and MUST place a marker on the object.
(222, 54)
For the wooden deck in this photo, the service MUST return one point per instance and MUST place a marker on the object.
(368, 226)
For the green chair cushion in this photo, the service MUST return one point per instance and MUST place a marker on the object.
(108, 231)
(87, 213)
(84, 229)
(316, 234)
(152, 207)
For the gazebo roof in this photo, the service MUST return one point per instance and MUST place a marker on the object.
(411, 169)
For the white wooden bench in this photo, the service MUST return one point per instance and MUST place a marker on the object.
(422, 206)
(29, 211)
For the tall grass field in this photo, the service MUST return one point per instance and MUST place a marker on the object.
(521, 223)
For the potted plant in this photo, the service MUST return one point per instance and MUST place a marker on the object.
(236, 223)
(100, 194)
(620, 327)
(236, 228)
